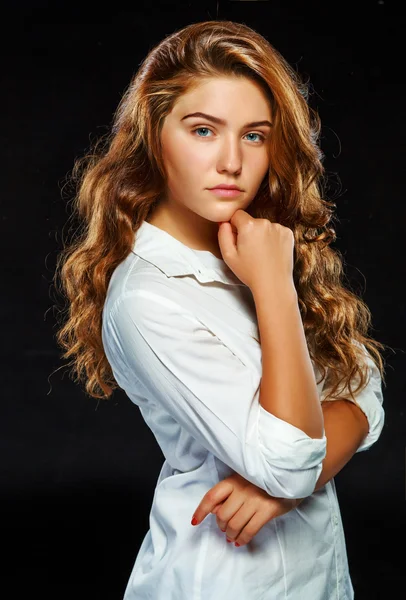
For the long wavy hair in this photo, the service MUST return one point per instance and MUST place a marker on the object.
(120, 180)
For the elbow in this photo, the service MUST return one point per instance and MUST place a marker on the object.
(292, 483)
(294, 473)
(291, 460)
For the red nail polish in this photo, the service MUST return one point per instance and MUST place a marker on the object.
(229, 541)
(237, 544)
(194, 521)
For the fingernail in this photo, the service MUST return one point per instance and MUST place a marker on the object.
(237, 544)
(194, 521)
(229, 541)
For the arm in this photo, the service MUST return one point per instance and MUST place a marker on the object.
(346, 426)
(176, 368)
(369, 401)
(288, 384)
(351, 427)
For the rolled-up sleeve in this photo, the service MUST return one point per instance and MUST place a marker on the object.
(208, 391)
(369, 400)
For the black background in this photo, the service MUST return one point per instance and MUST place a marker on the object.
(77, 475)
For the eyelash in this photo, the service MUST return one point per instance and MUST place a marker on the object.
(208, 128)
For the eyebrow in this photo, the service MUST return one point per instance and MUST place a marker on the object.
(223, 122)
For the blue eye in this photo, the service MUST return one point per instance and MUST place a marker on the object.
(262, 137)
(258, 134)
(200, 129)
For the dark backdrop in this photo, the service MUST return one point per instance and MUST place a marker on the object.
(77, 475)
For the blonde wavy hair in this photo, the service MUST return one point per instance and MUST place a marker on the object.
(119, 181)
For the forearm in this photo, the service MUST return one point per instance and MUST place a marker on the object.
(345, 427)
(288, 385)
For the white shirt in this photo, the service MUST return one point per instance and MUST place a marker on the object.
(181, 335)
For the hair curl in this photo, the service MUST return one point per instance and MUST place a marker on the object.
(120, 181)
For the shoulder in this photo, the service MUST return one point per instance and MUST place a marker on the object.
(133, 278)
(143, 294)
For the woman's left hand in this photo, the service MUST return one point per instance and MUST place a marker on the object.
(241, 508)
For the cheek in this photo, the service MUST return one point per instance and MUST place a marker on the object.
(192, 153)
(260, 166)
(185, 156)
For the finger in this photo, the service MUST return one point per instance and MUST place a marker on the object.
(232, 527)
(251, 528)
(227, 239)
(229, 510)
(216, 495)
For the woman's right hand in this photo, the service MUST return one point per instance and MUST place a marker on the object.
(241, 508)
(256, 249)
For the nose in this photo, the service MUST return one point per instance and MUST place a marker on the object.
(230, 156)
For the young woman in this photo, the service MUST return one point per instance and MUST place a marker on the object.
(223, 317)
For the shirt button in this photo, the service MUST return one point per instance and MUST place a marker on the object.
(335, 519)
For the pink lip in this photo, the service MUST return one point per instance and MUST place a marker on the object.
(226, 193)
(226, 187)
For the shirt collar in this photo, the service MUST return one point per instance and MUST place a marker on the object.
(174, 258)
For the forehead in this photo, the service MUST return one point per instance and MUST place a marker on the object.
(225, 94)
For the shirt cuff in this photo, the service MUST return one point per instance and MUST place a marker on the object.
(287, 446)
(375, 414)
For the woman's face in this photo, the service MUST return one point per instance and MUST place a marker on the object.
(199, 154)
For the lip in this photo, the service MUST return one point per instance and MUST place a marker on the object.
(226, 193)
(224, 186)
